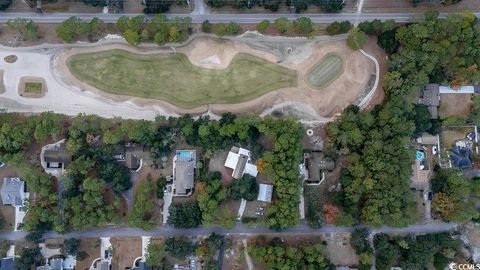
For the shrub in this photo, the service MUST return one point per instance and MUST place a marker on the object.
(206, 27)
(263, 26)
(336, 28)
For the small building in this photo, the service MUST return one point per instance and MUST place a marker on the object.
(13, 191)
(430, 97)
(239, 160)
(314, 166)
(184, 165)
(7, 264)
(265, 193)
(57, 157)
(464, 89)
(135, 155)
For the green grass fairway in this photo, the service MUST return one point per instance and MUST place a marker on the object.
(173, 78)
(35, 88)
(328, 69)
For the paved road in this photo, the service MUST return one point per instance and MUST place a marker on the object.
(238, 230)
(201, 14)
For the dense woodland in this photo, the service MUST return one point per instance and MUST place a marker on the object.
(376, 181)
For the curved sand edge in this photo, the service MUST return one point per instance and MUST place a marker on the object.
(327, 102)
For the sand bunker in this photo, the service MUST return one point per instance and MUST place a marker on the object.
(25, 82)
(217, 54)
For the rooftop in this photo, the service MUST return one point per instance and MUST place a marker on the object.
(184, 164)
(13, 191)
(58, 154)
(265, 193)
(239, 159)
(316, 163)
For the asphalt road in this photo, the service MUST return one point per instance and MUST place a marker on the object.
(200, 15)
(238, 230)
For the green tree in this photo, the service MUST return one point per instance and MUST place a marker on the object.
(28, 257)
(26, 29)
(282, 25)
(184, 215)
(155, 255)
(356, 39)
(179, 247)
(246, 188)
(219, 29)
(142, 214)
(303, 26)
(131, 37)
(70, 247)
(206, 27)
(336, 28)
(263, 26)
(71, 29)
(233, 28)
(4, 4)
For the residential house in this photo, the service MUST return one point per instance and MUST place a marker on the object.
(460, 156)
(13, 191)
(135, 156)
(53, 264)
(57, 157)
(314, 166)
(265, 193)
(239, 160)
(184, 165)
(430, 97)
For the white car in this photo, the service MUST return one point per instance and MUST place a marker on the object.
(434, 150)
(2, 164)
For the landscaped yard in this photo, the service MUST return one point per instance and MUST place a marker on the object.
(35, 88)
(173, 78)
(326, 71)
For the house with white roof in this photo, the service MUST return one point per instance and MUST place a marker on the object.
(239, 160)
(13, 193)
(265, 193)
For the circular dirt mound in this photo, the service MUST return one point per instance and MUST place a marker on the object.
(328, 69)
(10, 58)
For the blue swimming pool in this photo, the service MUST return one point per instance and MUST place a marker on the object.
(420, 155)
(184, 154)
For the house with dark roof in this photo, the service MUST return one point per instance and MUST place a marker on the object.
(314, 166)
(239, 160)
(460, 157)
(430, 97)
(55, 157)
(135, 155)
(13, 191)
(184, 165)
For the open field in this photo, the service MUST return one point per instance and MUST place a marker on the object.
(455, 105)
(126, 250)
(173, 78)
(326, 71)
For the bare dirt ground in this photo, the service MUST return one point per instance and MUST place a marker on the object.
(339, 251)
(326, 102)
(406, 6)
(450, 135)
(2, 86)
(234, 258)
(46, 34)
(126, 250)
(92, 247)
(455, 105)
(31, 79)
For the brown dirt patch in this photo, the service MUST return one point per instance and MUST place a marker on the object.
(2, 85)
(46, 34)
(234, 257)
(455, 105)
(327, 102)
(10, 58)
(31, 79)
(126, 250)
(339, 250)
(92, 247)
(449, 136)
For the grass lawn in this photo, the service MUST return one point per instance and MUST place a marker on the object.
(328, 69)
(33, 88)
(173, 78)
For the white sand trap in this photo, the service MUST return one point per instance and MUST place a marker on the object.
(214, 59)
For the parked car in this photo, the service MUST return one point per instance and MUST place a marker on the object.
(434, 150)
(2, 164)
(430, 196)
